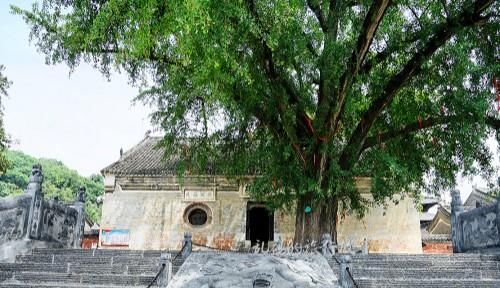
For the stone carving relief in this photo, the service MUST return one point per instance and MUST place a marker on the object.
(12, 224)
(247, 270)
(58, 224)
(36, 214)
(481, 231)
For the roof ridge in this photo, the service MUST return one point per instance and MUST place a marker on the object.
(134, 148)
(129, 152)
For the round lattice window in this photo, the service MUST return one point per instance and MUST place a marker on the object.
(197, 215)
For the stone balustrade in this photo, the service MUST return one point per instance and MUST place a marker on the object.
(31, 217)
(476, 229)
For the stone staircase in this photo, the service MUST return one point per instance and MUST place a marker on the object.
(425, 270)
(83, 268)
(132, 268)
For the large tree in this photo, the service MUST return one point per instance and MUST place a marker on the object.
(306, 94)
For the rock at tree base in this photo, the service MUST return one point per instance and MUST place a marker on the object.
(210, 269)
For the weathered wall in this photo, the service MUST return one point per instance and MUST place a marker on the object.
(153, 210)
(395, 229)
(156, 218)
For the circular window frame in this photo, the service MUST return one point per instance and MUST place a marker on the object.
(195, 206)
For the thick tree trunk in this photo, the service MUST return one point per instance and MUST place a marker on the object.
(311, 225)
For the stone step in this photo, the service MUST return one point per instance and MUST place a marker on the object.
(487, 265)
(425, 283)
(53, 285)
(418, 273)
(5, 274)
(8, 268)
(53, 259)
(471, 274)
(30, 278)
(430, 257)
(495, 265)
(81, 268)
(103, 252)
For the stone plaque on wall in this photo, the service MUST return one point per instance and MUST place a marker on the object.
(199, 195)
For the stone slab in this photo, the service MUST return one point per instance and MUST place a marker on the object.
(238, 270)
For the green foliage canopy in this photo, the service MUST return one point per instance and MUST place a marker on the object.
(59, 181)
(308, 94)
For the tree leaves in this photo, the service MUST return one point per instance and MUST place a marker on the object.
(265, 87)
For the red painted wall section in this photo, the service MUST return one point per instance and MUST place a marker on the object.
(437, 248)
(90, 241)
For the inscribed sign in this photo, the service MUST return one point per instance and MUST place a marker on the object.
(115, 237)
(197, 195)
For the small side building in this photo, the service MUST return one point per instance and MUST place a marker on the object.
(477, 198)
(90, 234)
(436, 237)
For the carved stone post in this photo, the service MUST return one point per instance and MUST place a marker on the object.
(166, 274)
(344, 280)
(365, 246)
(187, 244)
(456, 229)
(80, 220)
(35, 190)
(326, 245)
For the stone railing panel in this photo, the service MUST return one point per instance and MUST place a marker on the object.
(58, 223)
(14, 213)
(479, 227)
(31, 217)
(475, 229)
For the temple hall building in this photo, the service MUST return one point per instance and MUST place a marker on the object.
(147, 206)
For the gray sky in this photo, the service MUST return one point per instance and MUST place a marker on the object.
(81, 119)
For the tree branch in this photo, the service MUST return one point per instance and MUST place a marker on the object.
(409, 128)
(315, 7)
(491, 121)
(281, 87)
(353, 149)
(310, 46)
(370, 26)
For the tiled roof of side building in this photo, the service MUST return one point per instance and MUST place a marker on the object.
(478, 195)
(145, 158)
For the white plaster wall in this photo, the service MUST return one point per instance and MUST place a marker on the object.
(392, 230)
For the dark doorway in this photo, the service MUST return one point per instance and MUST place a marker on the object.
(260, 224)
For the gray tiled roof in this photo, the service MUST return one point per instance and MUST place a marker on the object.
(478, 195)
(145, 158)
(426, 236)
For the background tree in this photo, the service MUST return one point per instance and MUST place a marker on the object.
(59, 181)
(307, 94)
(4, 85)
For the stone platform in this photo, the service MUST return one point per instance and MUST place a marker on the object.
(238, 270)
